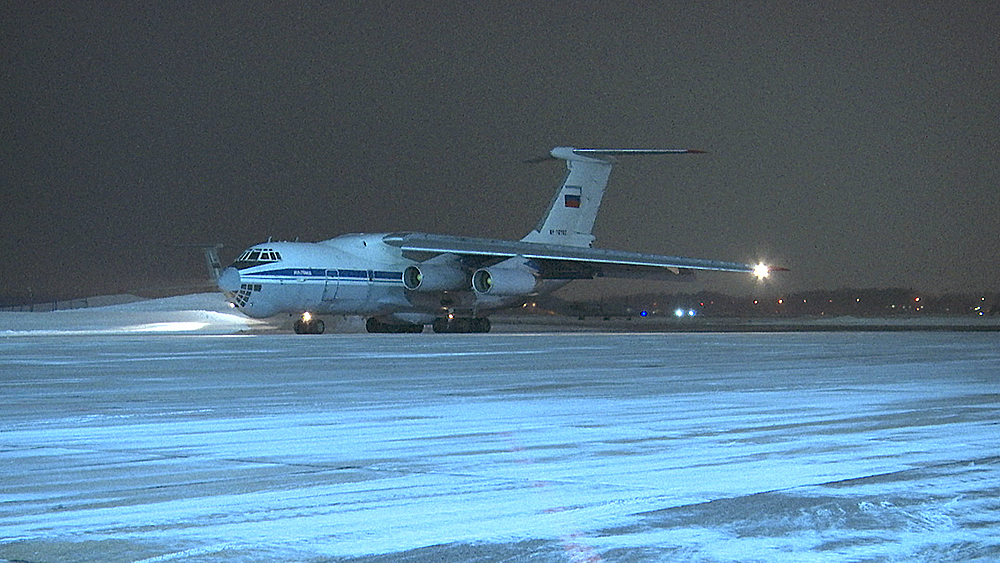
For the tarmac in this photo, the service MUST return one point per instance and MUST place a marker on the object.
(218, 443)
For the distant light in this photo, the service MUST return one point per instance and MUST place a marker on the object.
(679, 313)
(692, 312)
(761, 271)
(643, 313)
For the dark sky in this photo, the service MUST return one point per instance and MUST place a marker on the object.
(855, 143)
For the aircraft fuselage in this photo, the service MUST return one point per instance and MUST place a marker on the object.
(355, 274)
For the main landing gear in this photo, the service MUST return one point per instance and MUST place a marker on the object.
(461, 324)
(380, 327)
(307, 324)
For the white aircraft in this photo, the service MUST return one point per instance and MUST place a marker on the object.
(402, 281)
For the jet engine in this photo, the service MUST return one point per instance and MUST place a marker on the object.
(434, 278)
(503, 281)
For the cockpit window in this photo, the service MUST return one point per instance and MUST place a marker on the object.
(256, 257)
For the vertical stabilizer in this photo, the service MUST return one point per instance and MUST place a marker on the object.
(571, 216)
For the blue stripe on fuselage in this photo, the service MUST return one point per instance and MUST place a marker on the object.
(378, 276)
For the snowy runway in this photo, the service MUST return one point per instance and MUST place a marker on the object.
(541, 447)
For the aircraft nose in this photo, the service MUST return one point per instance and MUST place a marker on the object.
(229, 280)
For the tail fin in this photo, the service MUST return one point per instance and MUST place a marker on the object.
(571, 216)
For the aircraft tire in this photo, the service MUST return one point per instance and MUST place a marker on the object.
(375, 326)
(461, 325)
(315, 326)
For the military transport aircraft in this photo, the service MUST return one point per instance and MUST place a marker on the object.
(402, 281)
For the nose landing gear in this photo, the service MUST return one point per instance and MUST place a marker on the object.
(307, 324)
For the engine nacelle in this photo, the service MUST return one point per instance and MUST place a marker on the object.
(503, 281)
(434, 278)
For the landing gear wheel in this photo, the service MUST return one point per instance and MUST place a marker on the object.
(461, 325)
(376, 326)
(312, 326)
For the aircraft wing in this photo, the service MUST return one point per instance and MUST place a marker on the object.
(561, 262)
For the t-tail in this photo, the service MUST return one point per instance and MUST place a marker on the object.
(571, 216)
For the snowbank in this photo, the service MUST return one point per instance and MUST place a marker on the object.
(204, 313)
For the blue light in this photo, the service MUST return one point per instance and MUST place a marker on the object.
(643, 313)
(692, 312)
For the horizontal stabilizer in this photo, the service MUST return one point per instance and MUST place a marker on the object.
(623, 152)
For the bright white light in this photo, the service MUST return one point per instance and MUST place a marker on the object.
(306, 317)
(679, 313)
(692, 312)
(761, 271)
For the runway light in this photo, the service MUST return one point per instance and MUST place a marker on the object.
(761, 271)
(692, 312)
(679, 313)
(643, 313)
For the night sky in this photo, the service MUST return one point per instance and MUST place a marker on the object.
(854, 143)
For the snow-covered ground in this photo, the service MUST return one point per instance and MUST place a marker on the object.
(205, 313)
(125, 445)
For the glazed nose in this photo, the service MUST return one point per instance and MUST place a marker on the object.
(229, 280)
